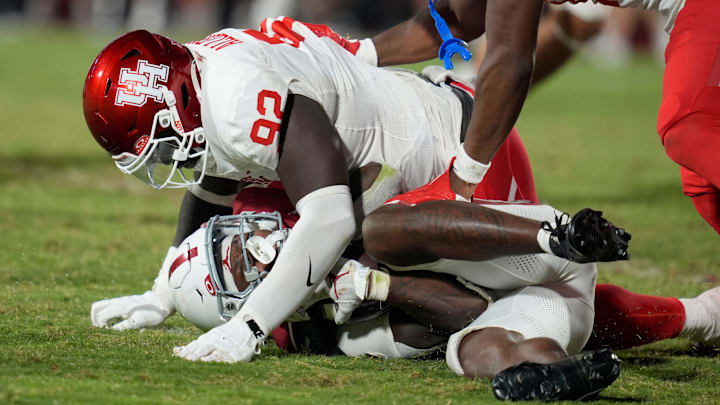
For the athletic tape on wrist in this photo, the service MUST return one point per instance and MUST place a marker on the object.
(468, 169)
(367, 52)
(378, 286)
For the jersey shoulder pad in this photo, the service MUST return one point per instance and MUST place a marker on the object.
(253, 111)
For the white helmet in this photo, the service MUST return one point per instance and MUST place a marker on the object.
(201, 280)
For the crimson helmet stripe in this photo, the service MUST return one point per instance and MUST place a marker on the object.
(188, 255)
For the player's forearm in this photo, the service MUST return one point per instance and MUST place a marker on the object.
(503, 82)
(417, 39)
(413, 41)
(325, 228)
(504, 76)
(436, 301)
(403, 236)
(551, 52)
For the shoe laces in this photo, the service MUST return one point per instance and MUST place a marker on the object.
(560, 221)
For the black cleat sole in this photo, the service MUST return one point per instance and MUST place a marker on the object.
(574, 378)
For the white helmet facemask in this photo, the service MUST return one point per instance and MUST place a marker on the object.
(167, 161)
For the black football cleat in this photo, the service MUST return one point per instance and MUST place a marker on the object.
(588, 237)
(574, 378)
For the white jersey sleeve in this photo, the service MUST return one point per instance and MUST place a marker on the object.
(243, 100)
(256, 114)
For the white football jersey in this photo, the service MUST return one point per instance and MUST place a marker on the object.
(668, 8)
(382, 115)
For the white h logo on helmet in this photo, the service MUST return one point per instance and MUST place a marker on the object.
(134, 88)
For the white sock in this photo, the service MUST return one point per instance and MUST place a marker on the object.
(702, 316)
(697, 320)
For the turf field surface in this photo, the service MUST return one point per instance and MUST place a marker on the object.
(75, 230)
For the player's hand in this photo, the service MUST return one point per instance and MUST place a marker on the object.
(354, 284)
(466, 173)
(343, 290)
(461, 187)
(228, 343)
(137, 311)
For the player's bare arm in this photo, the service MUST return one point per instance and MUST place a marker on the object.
(401, 235)
(436, 301)
(310, 156)
(417, 39)
(503, 80)
(405, 235)
(504, 77)
(560, 36)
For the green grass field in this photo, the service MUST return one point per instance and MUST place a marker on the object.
(74, 230)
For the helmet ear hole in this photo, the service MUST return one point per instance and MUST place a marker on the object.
(130, 54)
(185, 96)
(107, 86)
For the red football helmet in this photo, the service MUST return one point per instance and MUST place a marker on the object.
(138, 81)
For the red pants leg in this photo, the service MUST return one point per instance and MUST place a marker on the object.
(708, 206)
(689, 118)
(624, 319)
(510, 176)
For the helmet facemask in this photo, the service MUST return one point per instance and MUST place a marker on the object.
(220, 232)
(165, 159)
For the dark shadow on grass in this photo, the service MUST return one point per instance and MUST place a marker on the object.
(647, 367)
(644, 361)
(699, 350)
(664, 374)
(614, 399)
(694, 350)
